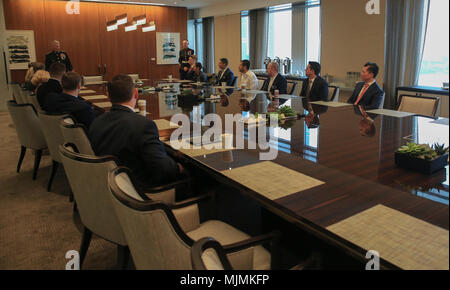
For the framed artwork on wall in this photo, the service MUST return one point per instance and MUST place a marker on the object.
(167, 47)
(20, 48)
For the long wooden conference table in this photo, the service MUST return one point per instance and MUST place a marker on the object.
(328, 178)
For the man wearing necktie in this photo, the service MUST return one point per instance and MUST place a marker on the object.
(314, 87)
(225, 74)
(57, 56)
(367, 93)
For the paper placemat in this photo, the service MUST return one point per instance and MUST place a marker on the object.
(225, 87)
(95, 97)
(255, 92)
(289, 97)
(390, 113)
(87, 92)
(272, 180)
(200, 151)
(401, 239)
(331, 104)
(178, 81)
(164, 124)
(103, 104)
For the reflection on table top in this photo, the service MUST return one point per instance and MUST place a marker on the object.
(354, 158)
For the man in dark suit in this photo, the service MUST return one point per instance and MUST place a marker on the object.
(57, 56)
(275, 80)
(199, 75)
(314, 87)
(183, 60)
(53, 85)
(132, 138)
(367, 93)
(68, 101)
(225, 74)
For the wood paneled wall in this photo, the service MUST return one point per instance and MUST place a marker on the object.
(85, 39)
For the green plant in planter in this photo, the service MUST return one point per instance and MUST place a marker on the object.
(423, 151)
(440, 149)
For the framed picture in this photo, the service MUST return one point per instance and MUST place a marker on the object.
(167, 47)
(20, 48)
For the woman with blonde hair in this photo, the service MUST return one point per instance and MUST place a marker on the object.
(39, 77)
(33, 68)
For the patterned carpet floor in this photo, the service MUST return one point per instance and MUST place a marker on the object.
(37, 227)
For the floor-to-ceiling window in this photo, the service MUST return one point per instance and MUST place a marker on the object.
(245, 53)
(284, 27)
(313, 34)
(280, 31)
(434, 69)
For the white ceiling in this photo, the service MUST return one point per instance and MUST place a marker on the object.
(191, 4)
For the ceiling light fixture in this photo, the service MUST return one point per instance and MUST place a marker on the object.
(111, 25)
(122, 19)
(149, 27)
(130, 26)
(140, 20)
(126, 2)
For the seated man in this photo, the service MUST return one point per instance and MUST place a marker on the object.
(199, 75)
(53, 85)
(314, 87)
(275, 80)
(132, 138)
(247, 78)
(367, 93)
(190, 73)
(68, 101)
(225, 74)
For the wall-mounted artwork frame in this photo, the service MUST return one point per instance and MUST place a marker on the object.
(20, 49)
(167, 47)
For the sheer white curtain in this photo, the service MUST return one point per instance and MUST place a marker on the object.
(406, 22)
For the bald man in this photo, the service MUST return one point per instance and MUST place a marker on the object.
(275, 80)
(57, 56)
(185, 53)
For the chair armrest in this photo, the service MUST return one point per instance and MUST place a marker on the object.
(271, 237)
(190, 201)
(168, 186)
(313, 262)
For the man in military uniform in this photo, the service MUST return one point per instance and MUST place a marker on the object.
(57, 56)
(185, 53)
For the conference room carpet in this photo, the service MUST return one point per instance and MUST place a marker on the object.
(37, 227)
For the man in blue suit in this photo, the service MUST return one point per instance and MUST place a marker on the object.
(314, 87)
(225, 74)
(69, 102)
(132, 138)
(275, 80)
(368, 93)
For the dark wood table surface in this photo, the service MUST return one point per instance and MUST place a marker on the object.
(358, 171)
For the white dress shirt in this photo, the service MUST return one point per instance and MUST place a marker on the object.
(249, 79)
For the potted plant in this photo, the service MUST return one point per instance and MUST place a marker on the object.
(422, 157)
